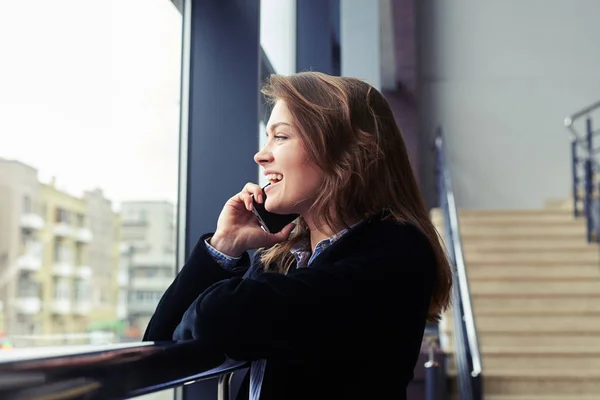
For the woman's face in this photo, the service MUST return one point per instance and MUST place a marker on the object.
(295, 180)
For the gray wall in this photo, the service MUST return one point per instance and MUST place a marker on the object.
(500, 76)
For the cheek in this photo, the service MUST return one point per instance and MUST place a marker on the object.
(311, 180)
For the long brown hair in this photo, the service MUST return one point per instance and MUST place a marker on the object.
(350, 133)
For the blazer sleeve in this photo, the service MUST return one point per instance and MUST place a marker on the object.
(275, 315)
(199, 273)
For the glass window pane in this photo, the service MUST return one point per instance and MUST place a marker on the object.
(89, 133)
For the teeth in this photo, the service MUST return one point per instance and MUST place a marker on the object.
(274, 177)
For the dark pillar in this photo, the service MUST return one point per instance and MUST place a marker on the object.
(317, 36)
(223, 108)
(220, 119)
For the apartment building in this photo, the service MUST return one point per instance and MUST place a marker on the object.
(148, 240)
(59, 258)
(66, 279)
(103, 259)
(22, 236)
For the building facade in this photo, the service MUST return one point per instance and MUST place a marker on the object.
(148, 240)
(59, 258)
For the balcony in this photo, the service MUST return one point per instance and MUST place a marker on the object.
(83, 235)
(84, 272)
(29, 305)
(32, 221)
(29, 262)
(62, 229)
(157, 284)
(122, 311)
(82, 307)
(61, 306)
(151, 259)
(123, 278)
(63, 269)
(144, 307)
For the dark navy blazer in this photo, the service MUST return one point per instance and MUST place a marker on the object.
(349, 327)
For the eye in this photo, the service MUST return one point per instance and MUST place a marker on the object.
(280, 137)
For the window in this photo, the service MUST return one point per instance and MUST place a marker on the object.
(62, 289)
(81, 290)
(93, 127)
(26, 205)
(62, 216)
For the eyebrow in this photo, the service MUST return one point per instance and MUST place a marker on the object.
(275, 125)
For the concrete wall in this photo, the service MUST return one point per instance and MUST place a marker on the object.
(500, 76)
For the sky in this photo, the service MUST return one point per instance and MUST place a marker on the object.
(90, 90)
(89, 94)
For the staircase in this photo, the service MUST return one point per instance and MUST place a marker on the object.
(535, 289)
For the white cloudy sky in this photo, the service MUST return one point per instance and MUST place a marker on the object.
(89, 90)
(89, 93)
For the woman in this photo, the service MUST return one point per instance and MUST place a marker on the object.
(335, 305)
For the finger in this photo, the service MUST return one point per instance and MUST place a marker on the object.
(254, 189)
(285, 233)
(245, 198)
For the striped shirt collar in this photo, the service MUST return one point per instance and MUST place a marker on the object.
(302, 253)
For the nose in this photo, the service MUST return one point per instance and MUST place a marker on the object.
(264, 156)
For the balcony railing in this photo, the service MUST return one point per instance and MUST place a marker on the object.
(29, 262)
(83, 235)
(31, 259)
(157, 283)
(28, 305)
(62, 229)
(84, 272)
(63, 269)
(61, 306)
(114, 372)
(82, 307)
(135, 306)
(32, 221)
(122, 278)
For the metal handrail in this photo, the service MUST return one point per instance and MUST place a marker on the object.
(584, 111)
(464, 320)
(116, 371)
(584, 158)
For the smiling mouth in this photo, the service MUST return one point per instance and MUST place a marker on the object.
(274, 178)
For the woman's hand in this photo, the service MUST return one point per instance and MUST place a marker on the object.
(238, 229)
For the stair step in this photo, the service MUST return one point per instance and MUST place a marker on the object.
(541, 397)
(481, 271)
(508, 216)
(528, 305)
(520, 288)
(509, 244)
(535, 324)
(522, 361)
(566, 229)
(573, 350)
(530, 340)
(545, 373)
(535, 291)
(563, 204)
(540, 382)
(506, 256)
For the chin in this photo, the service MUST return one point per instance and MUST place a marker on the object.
(277, 208)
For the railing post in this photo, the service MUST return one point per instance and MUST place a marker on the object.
(589, 178)
(223, 386)
(432, 371)
(574, 162)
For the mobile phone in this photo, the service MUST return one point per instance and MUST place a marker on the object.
(270, 222)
